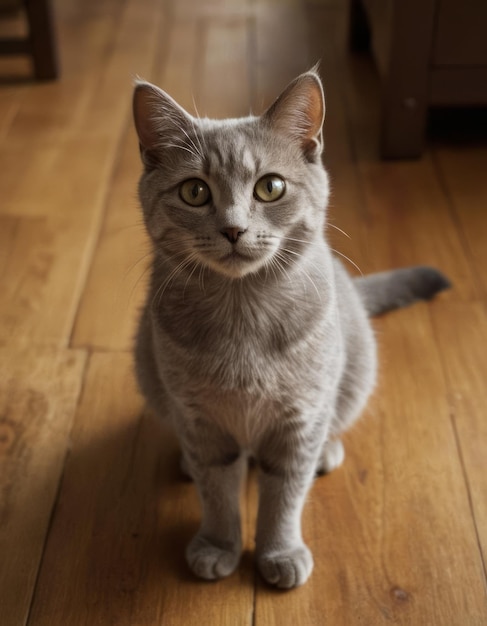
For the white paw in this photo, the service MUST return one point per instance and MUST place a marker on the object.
(332, 456)
(209, 561)
(286, 568)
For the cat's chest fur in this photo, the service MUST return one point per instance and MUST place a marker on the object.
(245, 337)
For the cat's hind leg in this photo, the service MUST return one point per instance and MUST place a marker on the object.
(357, 383)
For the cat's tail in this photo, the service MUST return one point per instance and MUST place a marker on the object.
(386, 291)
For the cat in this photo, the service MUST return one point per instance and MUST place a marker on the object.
(254, 340)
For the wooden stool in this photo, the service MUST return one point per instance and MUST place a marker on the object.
(40, 43)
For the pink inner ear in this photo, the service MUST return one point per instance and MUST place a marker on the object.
(144, 112)
(299, 111)
(315, 109)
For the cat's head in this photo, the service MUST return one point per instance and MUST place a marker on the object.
(233, 195)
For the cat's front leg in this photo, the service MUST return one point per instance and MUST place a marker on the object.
(216, 466)
(287, 472)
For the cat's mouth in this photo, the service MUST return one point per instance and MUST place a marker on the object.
(237, 263)
(238, 260)
(234, 255)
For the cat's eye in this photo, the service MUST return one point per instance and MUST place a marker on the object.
(195, 192)
(270, 188)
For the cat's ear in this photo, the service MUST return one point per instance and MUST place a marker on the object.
(158, 120)
(299, 113)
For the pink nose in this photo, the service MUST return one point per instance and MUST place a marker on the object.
(232, 234)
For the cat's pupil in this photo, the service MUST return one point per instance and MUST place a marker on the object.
(195, 190)
(270, 186)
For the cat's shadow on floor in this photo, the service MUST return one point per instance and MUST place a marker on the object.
(127, 487)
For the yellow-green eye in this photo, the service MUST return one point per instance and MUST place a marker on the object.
(195, 192)
(270, 188)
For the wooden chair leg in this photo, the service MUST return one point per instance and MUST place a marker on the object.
(405, 84)
(42, 39)
(358, 27)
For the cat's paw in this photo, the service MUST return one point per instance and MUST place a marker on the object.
(210, 561)
(287, 568)
(332, 456)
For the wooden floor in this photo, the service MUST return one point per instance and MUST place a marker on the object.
(93, 514)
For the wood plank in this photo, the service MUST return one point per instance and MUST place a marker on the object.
(66, 113)
(8, 227)
(116, 285)
(38, 394)
(410, 222)
(179, 65)
(278, 51)
(56, 106)
(465, 363)
(115, 550)
(222, 80)
(391, 531)
(61, 190)
(9, 103)
(38, 280)
(461, 169)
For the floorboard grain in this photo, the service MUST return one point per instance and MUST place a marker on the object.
(39, 389)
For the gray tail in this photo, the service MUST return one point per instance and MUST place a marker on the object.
(386, 291)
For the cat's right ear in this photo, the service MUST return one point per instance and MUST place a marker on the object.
(157, 118)
(299, 113)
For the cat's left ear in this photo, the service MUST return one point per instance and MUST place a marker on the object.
(158, 119)
(299, 113)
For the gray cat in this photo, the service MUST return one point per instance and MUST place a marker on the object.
(254, 340)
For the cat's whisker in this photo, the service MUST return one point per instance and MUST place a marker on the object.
(305, 272)
(278, 255)
(339, 229)
(181, 147)
(134, 265)
(201, 277)
(195, 107)
(349, 260)
(273, 266)
(177, 270)
(298, 240)
(333, 249)
(266, 269)
(134, 287)
(196, 133)
(192, 143)
(173, 272)
(194, 258)
(316, 267)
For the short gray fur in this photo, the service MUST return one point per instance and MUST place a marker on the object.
(254, 340)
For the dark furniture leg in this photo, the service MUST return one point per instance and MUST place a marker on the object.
(359, 32)
(42, 39)
(405, 85)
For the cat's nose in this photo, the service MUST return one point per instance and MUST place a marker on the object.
(232, 234)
